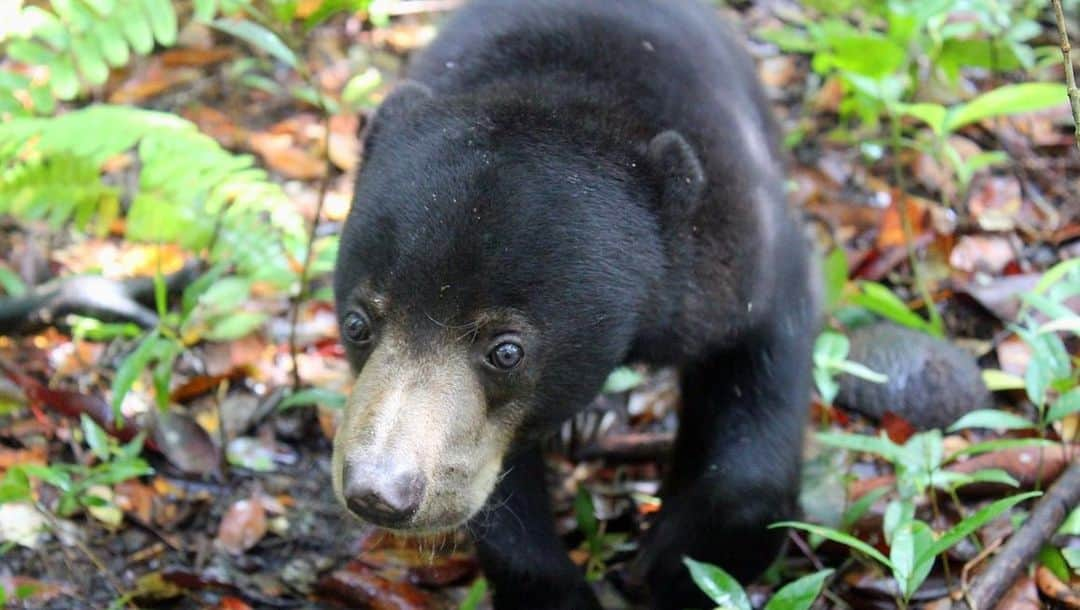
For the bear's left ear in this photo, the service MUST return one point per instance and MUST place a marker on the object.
(677, 166)
(403, 99)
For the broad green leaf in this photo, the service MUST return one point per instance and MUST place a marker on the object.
(1053, 560)
(1000, 444)
(840, 537)
(235, 326)
(585, 514)
(720, 586)
(861, 371)
(1006, 100)
(790, 40)
(312, 396)
(859, 507)
(931, 114)
(897, 514)
(997, 380)
(1066, 404)
(130, 369)
(1055, 273)
(259, 37)
(910, 567)
(974, 522)
(830, 347)
(96, 438)
(877, 445)
(882, 301)
(622, 379)
(476, 595)
(1070, 323)
(799, 594)
(361, 86)
(11, 283)
(992, 419)
(836, 275)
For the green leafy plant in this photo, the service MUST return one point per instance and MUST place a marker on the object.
(52, 169)
(913, 546)
(79, 41)
(76, 482)
(830, 359)
(727, 594)
(599, 544)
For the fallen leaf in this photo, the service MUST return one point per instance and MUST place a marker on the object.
(21, 524)
(344, 145)
(152, 79)
(280, 153)
(985, 253)
(995, 202)
(898, 428)
(243, 526)
(184, 443)
(194, 57)
(357, 585)
(216, 124)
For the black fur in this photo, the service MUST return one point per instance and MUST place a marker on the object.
(609, 169)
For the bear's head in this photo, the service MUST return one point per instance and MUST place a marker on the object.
(491, 273)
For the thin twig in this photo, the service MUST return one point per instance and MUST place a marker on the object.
(1070, 74)
(294, 315)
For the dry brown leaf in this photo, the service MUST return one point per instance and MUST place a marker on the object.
(986, 253)
(243, 526)
(283, 156)
(194, 58)
(995, 202)
(216, 124)
(153, 79)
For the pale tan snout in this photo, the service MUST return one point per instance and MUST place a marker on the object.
(417, 449)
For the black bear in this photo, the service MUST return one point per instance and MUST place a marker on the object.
(559, 187)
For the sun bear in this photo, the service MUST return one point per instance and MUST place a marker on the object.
(559, 187)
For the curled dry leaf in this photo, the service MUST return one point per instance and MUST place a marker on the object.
(243, 526)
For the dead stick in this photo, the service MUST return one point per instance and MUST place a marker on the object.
(1070, 75)
(1022, 547)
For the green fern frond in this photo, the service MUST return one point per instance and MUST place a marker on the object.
(51, 168)
(80, 40)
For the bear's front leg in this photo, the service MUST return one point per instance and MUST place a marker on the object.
(735, 469)
(520, 552)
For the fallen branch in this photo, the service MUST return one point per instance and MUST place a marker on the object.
(1022, 547)
(633, 447)
(130, 300)
(1070, 75)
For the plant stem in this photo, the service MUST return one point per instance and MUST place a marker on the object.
(1070, 75)
(294, 315)
(904, 207)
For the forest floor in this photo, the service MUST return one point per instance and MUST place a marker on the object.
(239, 513)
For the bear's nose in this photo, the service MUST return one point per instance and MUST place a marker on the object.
(382, 494)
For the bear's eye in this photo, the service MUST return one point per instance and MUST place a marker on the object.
(356, 327)
(506, 355)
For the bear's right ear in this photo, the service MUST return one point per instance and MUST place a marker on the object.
(679, 170)
(406, 96)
